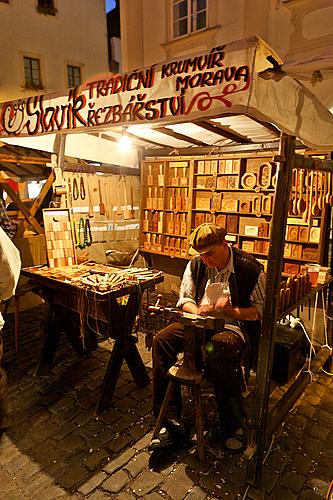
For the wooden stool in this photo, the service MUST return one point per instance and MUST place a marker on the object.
(186, 373)
(178, 373)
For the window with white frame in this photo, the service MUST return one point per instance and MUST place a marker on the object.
(73, 76)
(32, 73)
(188, 16)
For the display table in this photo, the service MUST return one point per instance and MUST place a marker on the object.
(64, 289)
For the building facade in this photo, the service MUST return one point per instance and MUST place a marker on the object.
(50, 45)
(300, 31)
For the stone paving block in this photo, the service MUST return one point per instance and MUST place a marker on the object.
(116, 482)
(99, 495)
(283, 494)
(64, 430)
(301, 464)
(145, 483)
(71, 443)
(37, 482)
(269, 480)
(319, 431)
(144, 442)
(138, 431)
(138, 463)
(71, 476)
(154, 496)
(277, 460)
(8, 451)
(119, 443)
(325, 418)
(196, 493)
(312, 447)
(292, 481)
(256, 493)
(99, 440)
(95, 459)
(92, 483)
(51, 492)
(124, 422)
(309, 495)
(119, 461)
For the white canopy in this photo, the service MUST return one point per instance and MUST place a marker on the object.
(227, 95)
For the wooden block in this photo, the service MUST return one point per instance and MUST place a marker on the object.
(232, 224)
(296, 251)
(314, 235)
(248, 246)
(233, 181)
(203, 201)
(214, 167)
(287, 250)
(310, 254)
(209, 218)
(303, 233)
(263, 229)
(216, 202)
(201, 167)
(236, 165)
(245, 206)
(201, 181)
(228, 166)
(293, 233)
(221, 220)
(222, 166)
(290, 268)
(207, 167)
(258, 246)
(211, 182)
(265, 247)
(229, 205)
(222, 182)
(199, 219)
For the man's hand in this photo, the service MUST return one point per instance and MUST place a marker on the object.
(205, 310)
(224, 305)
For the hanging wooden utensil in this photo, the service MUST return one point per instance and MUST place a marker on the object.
(295, 212)
(127, 214)
(301, 205)
(307, 195)
(331, 190)
(320, 189)
(90, 203)
(291, 203)
(101, 204)
(132, 203)
(328, 187)
(315, 208)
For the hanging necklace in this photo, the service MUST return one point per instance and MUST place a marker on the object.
(75, 189)
(82, 189)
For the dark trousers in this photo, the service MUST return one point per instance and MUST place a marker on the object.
(223, 367)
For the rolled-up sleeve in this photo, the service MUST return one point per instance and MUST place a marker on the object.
(187, 288)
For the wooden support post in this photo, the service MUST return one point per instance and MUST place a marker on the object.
(25, 211)
(270, 308)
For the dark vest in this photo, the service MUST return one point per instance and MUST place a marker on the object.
(241, 283)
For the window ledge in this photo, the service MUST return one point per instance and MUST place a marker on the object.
(191, 36)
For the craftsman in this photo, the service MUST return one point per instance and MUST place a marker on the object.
(220, 281)
(10, 266)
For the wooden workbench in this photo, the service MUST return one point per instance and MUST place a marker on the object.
(117, 308)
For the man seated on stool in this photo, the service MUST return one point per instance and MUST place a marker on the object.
(221, 281)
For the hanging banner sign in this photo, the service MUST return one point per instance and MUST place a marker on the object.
(195, 86)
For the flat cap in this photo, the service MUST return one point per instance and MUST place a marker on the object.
(205, 237)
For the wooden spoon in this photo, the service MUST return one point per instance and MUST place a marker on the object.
(315, 208)
(101, 204)
(309, 220)
(331, 190)
(301, 202)
(295, 212)
(328, 187)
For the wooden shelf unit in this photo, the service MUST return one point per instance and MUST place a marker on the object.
(236, 191)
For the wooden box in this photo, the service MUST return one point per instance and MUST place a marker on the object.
(292, 233)
(203, 201)
(216, 202)
(248, 246)
(222, 182)
(221, 220)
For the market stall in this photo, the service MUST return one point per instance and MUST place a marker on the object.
(225, 134)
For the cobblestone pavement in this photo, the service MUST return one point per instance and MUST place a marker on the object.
(57, 448)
